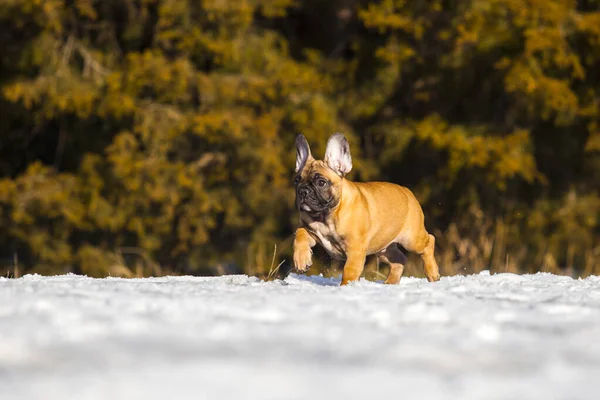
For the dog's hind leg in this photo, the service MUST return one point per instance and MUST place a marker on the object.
(424, 245)
(426, 251)
(396, 259)
(430, 267)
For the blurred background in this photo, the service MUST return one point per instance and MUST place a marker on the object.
(152, 137)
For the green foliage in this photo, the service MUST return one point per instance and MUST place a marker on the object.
(139, 134)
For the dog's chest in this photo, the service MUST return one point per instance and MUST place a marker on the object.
(326, 235)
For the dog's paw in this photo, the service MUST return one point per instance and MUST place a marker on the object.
(302, 258)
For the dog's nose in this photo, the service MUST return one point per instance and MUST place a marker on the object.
(302, 192)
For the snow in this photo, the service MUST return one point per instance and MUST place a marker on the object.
(482, 336)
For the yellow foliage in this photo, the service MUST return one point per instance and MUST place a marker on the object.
(166, 127)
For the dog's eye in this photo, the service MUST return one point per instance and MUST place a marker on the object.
(297, 180)
(322, 183)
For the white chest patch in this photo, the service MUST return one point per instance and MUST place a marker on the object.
(326, 236)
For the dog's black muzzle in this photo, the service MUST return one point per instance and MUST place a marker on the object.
(309, 199)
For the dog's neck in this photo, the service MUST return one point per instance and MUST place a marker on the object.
(348, 194)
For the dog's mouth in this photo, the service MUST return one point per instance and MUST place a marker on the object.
(312, 202)
(311, 207)
(306, 207)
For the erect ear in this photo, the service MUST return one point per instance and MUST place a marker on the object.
(337, 154)
(302, 152)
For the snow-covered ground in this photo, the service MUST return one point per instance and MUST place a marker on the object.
(234, 337)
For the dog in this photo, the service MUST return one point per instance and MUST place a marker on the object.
(352, 220)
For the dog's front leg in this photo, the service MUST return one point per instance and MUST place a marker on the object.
(302, 252)
(355, 263)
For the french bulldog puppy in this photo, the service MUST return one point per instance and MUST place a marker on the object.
(352, 220)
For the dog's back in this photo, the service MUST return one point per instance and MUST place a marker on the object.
(395, 215)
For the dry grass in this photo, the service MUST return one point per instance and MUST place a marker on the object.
(143, 265)
(274, 271)
(482, 245)
(14, 271)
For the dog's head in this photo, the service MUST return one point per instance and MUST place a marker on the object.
(319, 182)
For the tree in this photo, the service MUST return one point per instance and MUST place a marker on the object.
(156, 136)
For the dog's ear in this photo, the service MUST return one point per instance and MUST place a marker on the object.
(302, 152)
(337, 154)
